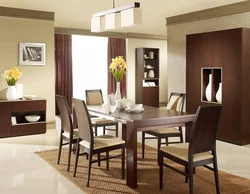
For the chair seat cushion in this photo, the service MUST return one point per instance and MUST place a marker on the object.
(165, 130)
(97, 121)
(103, 141)
(181, 151)
(75, 134)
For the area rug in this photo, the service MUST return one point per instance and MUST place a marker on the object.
(110, 182)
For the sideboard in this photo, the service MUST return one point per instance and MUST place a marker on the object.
(12, 117)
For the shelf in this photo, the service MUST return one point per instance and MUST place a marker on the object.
(34, 123)
(150, 86)
(156, 78)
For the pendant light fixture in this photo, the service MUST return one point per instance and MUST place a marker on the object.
(124, 16)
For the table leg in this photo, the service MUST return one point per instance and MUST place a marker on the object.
(131, 145)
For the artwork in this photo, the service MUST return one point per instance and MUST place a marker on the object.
(31, 53)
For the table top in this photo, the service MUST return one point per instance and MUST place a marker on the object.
(150, 116)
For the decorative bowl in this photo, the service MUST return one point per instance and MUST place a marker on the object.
(133, 107)
(29, 97)
(32, 118)
(122, 103)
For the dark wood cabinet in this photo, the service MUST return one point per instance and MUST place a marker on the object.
(227, 54)
(147, 76)
(12, 117)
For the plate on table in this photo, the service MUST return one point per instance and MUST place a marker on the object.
(134, 110)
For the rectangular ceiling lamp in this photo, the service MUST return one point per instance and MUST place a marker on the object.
(130, 17)
(97, 24)
(112, 21)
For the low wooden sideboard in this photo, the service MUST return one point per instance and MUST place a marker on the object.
(12, 117)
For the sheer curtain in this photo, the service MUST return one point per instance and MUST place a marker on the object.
(63, 65)
(116, 47)
(89, 64)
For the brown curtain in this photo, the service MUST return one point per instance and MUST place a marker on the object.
(116, 47)
(63, 64)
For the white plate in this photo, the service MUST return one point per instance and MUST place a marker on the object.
(29, 97)
(135, 110)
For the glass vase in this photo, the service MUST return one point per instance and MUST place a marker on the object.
(118, 91)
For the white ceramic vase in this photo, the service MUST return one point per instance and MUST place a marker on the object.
(151, 74)
(209, 89)
(118, 91)
(219, 94)
(11, 93)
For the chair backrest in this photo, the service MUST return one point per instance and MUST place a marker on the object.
(204, 129)
(85, 131)
(64, 110)
(176, 101)
(94, 97)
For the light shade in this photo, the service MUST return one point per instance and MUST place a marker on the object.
(131, 17)
(98, 24)
(112, 21)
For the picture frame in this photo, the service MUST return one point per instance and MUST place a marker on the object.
(32, 53)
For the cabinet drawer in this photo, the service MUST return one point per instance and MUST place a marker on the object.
(28, 106)
(28, 129)
(5, 119)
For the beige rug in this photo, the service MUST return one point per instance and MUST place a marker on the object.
(108, 182)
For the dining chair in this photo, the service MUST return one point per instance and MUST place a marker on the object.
(175, 102)
(201, 149)
(67, 134)
(94, 145)
(94, 97)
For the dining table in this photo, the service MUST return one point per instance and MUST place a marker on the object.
(132, 123)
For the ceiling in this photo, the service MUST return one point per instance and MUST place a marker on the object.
(77, 13)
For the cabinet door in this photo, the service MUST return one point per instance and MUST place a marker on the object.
(151, 96)
(198, 55)
(5, 119)
(227, 53)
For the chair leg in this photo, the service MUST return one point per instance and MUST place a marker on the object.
(60, 149)
(123, 162)
(103, 130)
(181, 134)
(116, 129)
(143, 144)
(186, 177)
(69, 155)
(160, 162)
(191, 180)
(166, 141)
(89, 169)
(216, 175)
(158, 147)
(95, 130)
(77, 155)
(99, 159)
(107, 160)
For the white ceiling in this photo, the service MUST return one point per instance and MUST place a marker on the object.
(77, 13)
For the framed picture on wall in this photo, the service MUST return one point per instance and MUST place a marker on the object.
(31, 53)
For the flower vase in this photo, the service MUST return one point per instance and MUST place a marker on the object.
(118, 91)
(219, 94)
(11, 93)
(209, 89)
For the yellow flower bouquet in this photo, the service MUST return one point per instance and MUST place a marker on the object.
(118, 68)
(12, 76)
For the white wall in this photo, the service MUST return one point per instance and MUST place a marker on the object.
(177, 44)
(132, 44)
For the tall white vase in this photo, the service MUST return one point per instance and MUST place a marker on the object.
(209, 89)
(11, 93)
(219, 94)
(118, 91)
(151, 74)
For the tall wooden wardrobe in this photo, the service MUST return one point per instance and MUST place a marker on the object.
(226, 56)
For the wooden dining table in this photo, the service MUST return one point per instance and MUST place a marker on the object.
(136, 122)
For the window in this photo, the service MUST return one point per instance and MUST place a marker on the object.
(89, 55)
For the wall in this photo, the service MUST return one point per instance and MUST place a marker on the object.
(38, 80)
(177, 44)
(132, 44)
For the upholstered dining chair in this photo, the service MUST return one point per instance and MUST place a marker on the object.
(67, 134)
(175, 102)
(201, 149)
(94, 97)
(94, 145)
